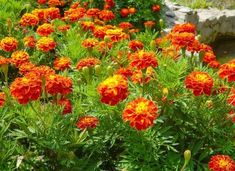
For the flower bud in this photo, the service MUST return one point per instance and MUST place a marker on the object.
(165, 91)
(109, 69)
(85, 70)
(187, 155)
(161, 23)
(97, 69)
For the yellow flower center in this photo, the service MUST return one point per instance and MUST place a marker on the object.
(223, 163)
(142, 107)
(201, 77)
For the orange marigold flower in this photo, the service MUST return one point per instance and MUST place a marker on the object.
(41, 71)
(87, 62)
(134, 30)
(75, 5)
(156, 8)
(29, 20)
(182, 40)
(186, 27)
(99, 32)
(124, 12)
(26, 68)
(231, 97)
(143, 59)
(40, 13)
(110, 3)
(141, 113)
(135, 45)
(67, 105)
(4, 61)
(125, 25)
(62, 63)
(104, 46)
(93, 12)
(45, 29)
(137, 76)
(126, 72)
(194, 47)
(87, 25)
(19, 57)
(87, 122)
(26, 89)
(64, 28)
(42, 1)
(206, 48)
(74, 15)
(232, 116)
(199, 83)
(106, 15)
(56, 84)
(8, 44)
(90, 43)
(171, 52)
(29, 41)
(2, 99)
(227, 70)
(221, 163)
(113, 90)
(51, 14)
(116, 35)
(53, 3)
(214, 64)
(46, 44)
(208, 57)
(149, 24)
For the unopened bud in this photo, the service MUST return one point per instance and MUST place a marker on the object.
(161, 23)
(97, 69)
(187, 155)
(165, 91)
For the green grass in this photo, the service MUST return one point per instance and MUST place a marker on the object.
(221, 4)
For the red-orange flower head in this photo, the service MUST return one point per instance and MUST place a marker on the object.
(141, 113)
(41, 71)
(125, 25)
(87, 122)
(45, 29)
(87, 62)
(2, 99)
(26, 89)
(149, 24)
(99, 32)
(56, 84)
(106, 15)
(29, 41)
(19, 57)
(135, 45)
(186, 27)
(51, 14)
(8, 44)
(4, 61)
(227, 70)
(46, 44)
(67, 105)
(116, 35)
(110, 3)
(93, 12)
(182, 40)
(221, 163)
(29, 20)
(208, 57)
(126, 72)
(113, 90)
(231, 97)
(90, 43)
(53, 3)
(156, 8)
(26, 68)
(41, 1)
(87, 25)
(214, 64)
(40, 13)
(199, 83)
(143, 59)
(62, 63)
(74, 15)
(63, 28)
(137, 76)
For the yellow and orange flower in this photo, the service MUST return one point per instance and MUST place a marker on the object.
(87, 25)
(51, 14)
(115, 35)
(126, 72)
(8, 44)
(29, 20)
(87, 122)
(56, 84)
(106, 15)
(141, 113)
(93, 12)
(214, 64)
(104, 46)
(74, 15)
(40, 13)
(19, 57)
(67, 105)
(99, 32)
(185, 27)
(143, 78)
(125, 25)
(199, 82)
(45, 29)
(135, 45)
(113, 90)
(149, 24)
(90, 43)
(143, 59)
(171, 52)
(208, 57)
(227, 71)
(194, 47)
(53, 3)
(63, 28)
(87, 62)
(26, 68)
(221, 163)
(45, 44)
(41, 72)
(4, 61)
(26, 89)
(2, 99)
(182, 40)
(29, 41)
(62, 63)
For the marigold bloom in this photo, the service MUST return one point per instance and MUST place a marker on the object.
(51, 14)
(67, 105)
(26, 89)
(29, 41)
(124, 12)
(40, 13)
(194, 47)
(135, 45)
(141, 113)
(2, 99)
(93, 12)
(156, 8)
(199, 83)
(41, 1)
(142, 78)
(19, 57)
(62, 63)
(103, 46)
(90, 43)
(8, 44)
(45, 29)
(63, 28)
(87, 122)
(232, 116)
(125, 25)
(214, 64)
(110, 3)
(87, 62)
(186, 27)
(171, 52)
(182, 40)
(46, 44)
(74, 15)
(26, 68)
(126, 72)
(53, 3)
(75, 5)
(208, 57)
(221, 163)
(3, 61)
(231, 97)
(87, 25)
(106, 15)
(116, 35)
(206, 48)
(56, 84)
(227, 70)
(29, 20)
(143, 59)
(99, 32)
(149, 24)
(113, 90)
(41, 71)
